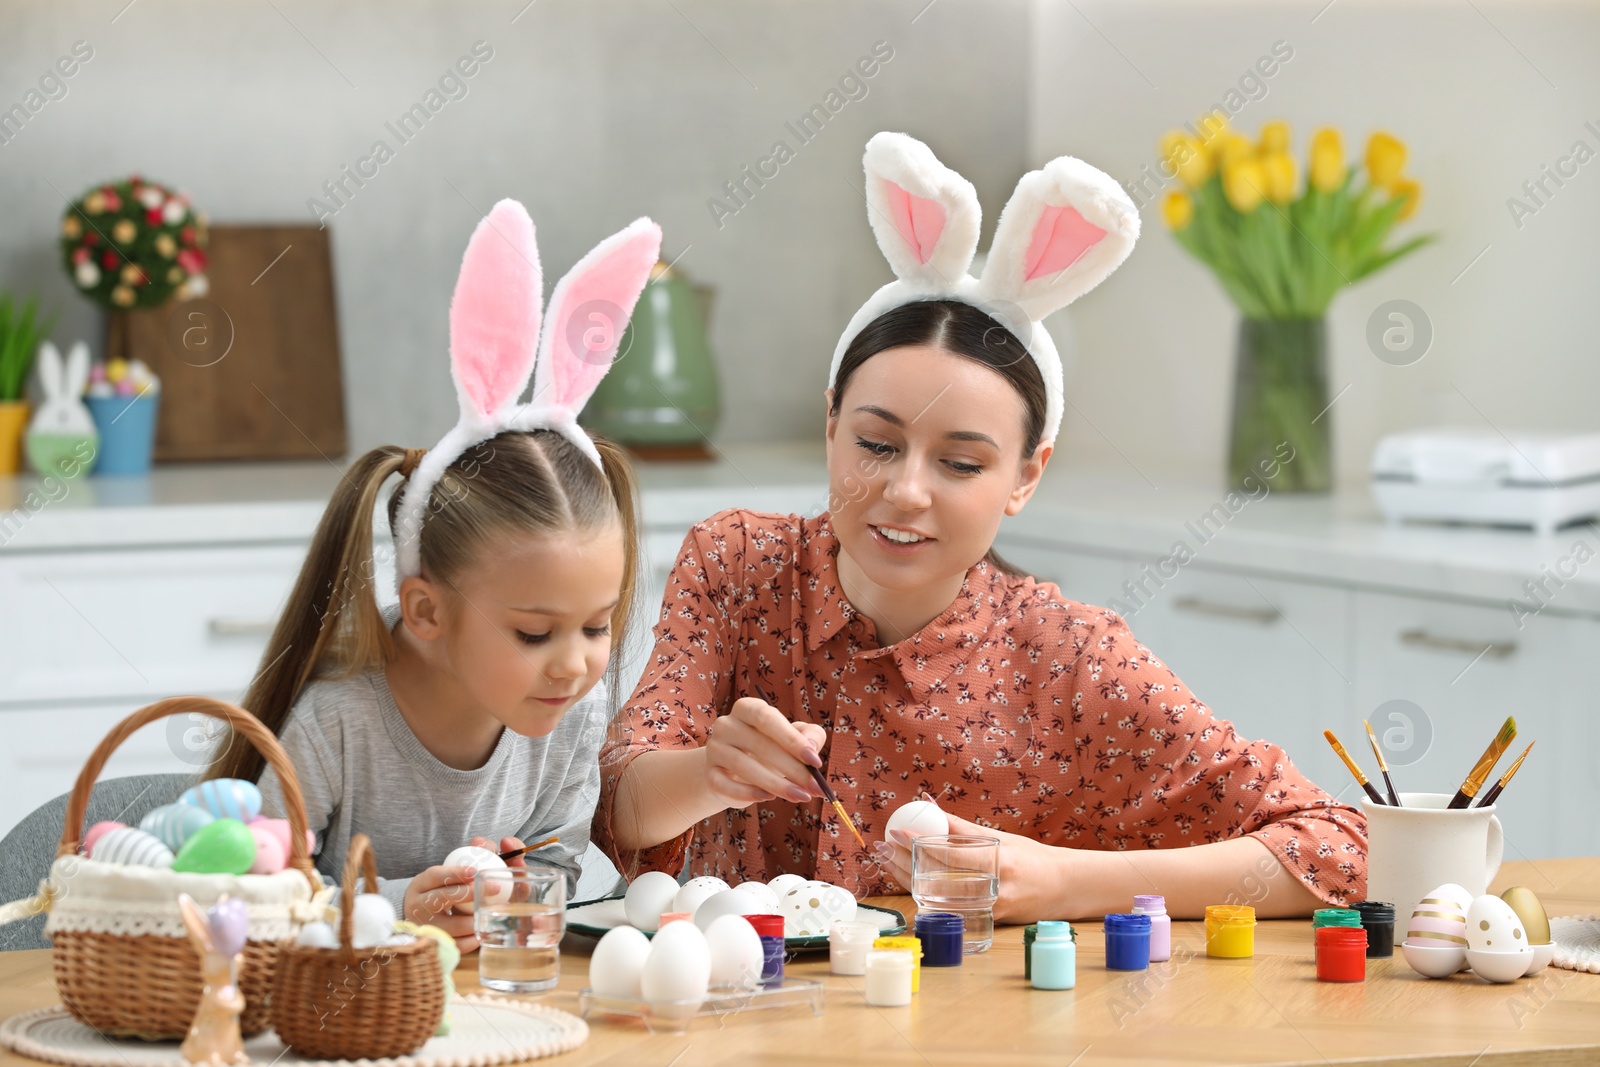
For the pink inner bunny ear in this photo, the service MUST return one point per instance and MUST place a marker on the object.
(494, 315)
(919, 220)
(589, 310)
(1060, 238)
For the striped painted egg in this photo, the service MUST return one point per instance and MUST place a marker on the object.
(225, 798)
(132, 848)
(171, 824)
(1440, 917)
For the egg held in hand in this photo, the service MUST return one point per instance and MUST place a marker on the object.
(480, 859)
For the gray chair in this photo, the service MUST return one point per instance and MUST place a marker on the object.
(30, 847)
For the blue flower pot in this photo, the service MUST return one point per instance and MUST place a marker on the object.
(127, 426)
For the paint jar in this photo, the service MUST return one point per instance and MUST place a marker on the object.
(1377, 918)
(1054, 957)
(940, 934)
(673, 917)
(889, 977)
(1230, 931)
(1160, 925)
(848, 943)
(1341, 954)
(1029, 933)
(1127, 942)
(912, 945)
(1335, 917)
(770, 929)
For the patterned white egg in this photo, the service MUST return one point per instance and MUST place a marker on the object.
(810, 908)
(171, 824)
(1493, 927)
(781, 885)
(132, 848)
(225, 798)
(695, 892)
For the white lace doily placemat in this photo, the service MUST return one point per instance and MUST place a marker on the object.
(1577, 939)
(485, 1031)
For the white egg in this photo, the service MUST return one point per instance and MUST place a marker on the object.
(727, 902)
(736, 956)
(781, 885)
(618, 963)
(763, 893)
(678, 969)
(1493, 927)
(317, 935)
(918, 817)
(371, 920)
(479, 859)
(695, 892)
(810, 908)
(650, 894)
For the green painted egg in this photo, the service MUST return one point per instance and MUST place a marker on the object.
(225, 846)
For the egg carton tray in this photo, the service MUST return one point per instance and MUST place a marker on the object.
(593, 918)
(675, 1016)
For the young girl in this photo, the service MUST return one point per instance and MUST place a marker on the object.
(471, 710)
(885, 642)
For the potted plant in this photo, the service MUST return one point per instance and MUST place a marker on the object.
(20, 334)
(1282, 252)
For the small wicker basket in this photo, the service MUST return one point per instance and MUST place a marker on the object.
(147, 984)
(351, 1003)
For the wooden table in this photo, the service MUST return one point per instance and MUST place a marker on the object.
(1192, 1010)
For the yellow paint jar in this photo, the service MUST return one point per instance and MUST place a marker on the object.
(909, 944)
(1230, 931)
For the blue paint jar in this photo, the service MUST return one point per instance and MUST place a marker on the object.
(1127, 942)
(770, 929)
(940, 933)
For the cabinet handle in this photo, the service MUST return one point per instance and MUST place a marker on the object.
(1423, 639)
(1260, 616)
(225, 627)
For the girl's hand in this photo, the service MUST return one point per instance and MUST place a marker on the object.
(432, 897)
(1033, 876)
(507, 844)
(754, 753)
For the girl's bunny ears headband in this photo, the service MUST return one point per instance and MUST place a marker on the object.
(494, 328)
(1065, 229)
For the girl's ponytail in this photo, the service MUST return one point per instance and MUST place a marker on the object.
(332, 615)
(624, 488)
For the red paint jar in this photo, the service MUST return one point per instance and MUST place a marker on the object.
(1341, 954)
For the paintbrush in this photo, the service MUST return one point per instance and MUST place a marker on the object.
(514, 853)
(1494, 793)
(1480, 770)
(1348, 762)
(1383, 768)
(832, 798)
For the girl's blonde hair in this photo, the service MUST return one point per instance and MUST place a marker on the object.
(516, 483)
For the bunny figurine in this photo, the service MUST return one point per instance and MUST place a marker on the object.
(62, 439)
(218, 936)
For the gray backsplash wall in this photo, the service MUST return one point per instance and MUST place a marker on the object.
(590, 113)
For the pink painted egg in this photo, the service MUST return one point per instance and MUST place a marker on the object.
(270, 858)
(99, 830)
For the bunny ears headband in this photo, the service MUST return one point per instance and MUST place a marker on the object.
(496, 344)
(1065, 229)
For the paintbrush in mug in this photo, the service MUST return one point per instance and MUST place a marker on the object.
(1494, 794)
(1480, 770)
(514, 853)
(1383, 768)
(1348, 762)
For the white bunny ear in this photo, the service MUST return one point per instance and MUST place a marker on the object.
(51, 371)
(77, 375)
(924, 215)
(1065, 229)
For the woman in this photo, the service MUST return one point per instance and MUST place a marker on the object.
(885, 643)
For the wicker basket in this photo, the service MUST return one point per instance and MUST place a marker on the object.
(350, 1003)
(122, 961)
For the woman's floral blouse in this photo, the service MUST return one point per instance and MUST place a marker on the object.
(1017, 708)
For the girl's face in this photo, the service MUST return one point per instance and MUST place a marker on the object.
(527, 630)
(924, 458)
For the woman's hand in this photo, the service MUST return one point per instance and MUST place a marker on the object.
(755, 753)
(432, 899)
(1033, 876)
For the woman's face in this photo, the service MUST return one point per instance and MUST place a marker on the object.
(924, 458)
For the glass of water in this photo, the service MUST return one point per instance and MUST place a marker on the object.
(959, 873)
(519, 916)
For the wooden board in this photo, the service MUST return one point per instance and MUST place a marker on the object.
(250, 371)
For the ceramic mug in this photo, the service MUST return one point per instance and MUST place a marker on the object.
(1420, 845)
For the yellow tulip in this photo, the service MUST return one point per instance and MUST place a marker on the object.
(1244, 183)
(1177, 209)
(1279, 170)
(1186, 157)
(1274, 138)
(1209, 125)
(1411, 190)
(1230, 145)
(1386, 157)
(1327, 160)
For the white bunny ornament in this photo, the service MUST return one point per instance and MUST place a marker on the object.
(62, 439)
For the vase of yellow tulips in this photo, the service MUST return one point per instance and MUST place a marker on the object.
(1282, 251)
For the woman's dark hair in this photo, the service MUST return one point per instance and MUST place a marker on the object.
(964, 330)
